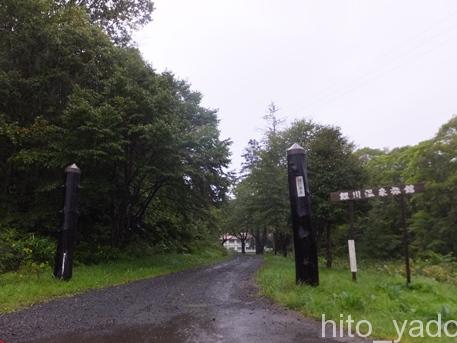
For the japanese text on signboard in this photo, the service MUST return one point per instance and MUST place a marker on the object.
(381, 192)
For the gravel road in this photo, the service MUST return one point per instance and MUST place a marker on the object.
(212, 304)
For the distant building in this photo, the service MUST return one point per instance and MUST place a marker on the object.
(233, 243)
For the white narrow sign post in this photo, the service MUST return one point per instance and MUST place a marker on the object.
(352, 259)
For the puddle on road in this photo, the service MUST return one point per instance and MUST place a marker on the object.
(179, 330)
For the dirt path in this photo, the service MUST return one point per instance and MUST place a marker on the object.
(214, 304)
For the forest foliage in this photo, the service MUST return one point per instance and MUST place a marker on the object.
(433, 214)
(72, 91)
(261, 203)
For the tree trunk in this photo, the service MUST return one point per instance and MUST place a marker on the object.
(284, 250)
(6, 180)
(260, 239)
(285, 244)
(243, 246)
(275, 243)
(328, 245)
(122, 224)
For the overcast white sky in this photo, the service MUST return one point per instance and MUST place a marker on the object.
(385, 71)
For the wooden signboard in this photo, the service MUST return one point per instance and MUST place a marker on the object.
(381, 192)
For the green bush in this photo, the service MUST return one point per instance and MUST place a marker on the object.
(86, 253)
(24, 249)
(8, 255)
(442, 268)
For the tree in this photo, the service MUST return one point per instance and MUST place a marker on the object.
(263, 189)
(117, 18)
(240, 217)
(243, 237)
(251, 157)
(260, 238)
(153, 165)
(433, 212)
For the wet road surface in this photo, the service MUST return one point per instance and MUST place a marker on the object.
(213, 304)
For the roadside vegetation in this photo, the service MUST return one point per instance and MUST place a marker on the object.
(379, 296)
(34, 284)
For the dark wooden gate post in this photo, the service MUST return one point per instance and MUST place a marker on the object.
(63, 267)
(305, 246)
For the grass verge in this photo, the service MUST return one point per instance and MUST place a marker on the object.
(18, 290)
(378, 297)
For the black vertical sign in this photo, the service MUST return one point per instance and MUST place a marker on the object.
(306, 263)
(63, 267)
